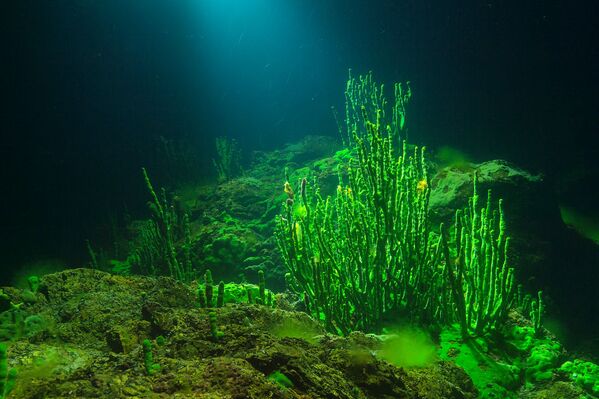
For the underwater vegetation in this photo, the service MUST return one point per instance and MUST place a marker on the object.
(342, 284)
(228, 161)
(371, 251)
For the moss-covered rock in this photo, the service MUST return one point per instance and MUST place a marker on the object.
(257, 343)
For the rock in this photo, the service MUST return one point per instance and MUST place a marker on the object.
(531, 209)
(560, 389)
(100, 353)
(451, 187)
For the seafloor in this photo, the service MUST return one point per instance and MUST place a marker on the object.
(85, 333)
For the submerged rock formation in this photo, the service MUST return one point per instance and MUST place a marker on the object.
(93, 324)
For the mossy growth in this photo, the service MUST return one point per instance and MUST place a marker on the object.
(542, 360)
(214, 331)
(584, 374)
(293, 328)
(33, 282)
(7, 375)
(47, 362)
(339, 158)
(520, 356)
(492, 378)
(538, 356)
(151, 367)
(230, 247)
(237, 293)
(280, 379)
(29, 295)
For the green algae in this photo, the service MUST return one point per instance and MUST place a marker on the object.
(408, 347)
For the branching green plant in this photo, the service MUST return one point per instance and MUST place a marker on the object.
(368, 253)
(228, 161)
(205, 291)
(365, 101)
(163, 243)
(478, 271)
(537, 309)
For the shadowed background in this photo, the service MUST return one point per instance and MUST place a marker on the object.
(93, 89)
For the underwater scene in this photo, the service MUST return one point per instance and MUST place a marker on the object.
(300, 199)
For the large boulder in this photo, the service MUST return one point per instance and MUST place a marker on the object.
(531, 209)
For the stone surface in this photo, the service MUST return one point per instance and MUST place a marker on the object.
(96, 322)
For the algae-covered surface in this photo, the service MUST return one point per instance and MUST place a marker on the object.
(81, 334)
(93, 324)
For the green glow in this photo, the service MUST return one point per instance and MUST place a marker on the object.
(281, 379)
(585, 225)
(453, 157)
(409, 347)
(492, 378)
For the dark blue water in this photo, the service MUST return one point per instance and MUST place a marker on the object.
(94, 89)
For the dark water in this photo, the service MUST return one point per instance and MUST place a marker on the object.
(96, 89)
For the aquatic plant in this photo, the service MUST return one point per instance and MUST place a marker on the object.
(7, 375)
(583, 373)
(280, 379)
(231, 293)
(365, 102)
(228, 161)
(481, 281)
(33, 282)
(369, 253)
(177, 159)
(160, 340)
(12, 319)
(262, 288)
(537, 309)
(220, 297)
(156, 249)
(216, 333)
(208, 288)
(151, 367)
(205, 291)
